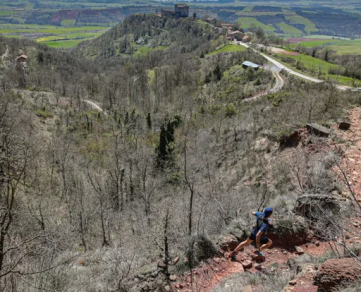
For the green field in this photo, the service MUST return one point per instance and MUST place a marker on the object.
(68, 22)
(6, 13)
(54, 36)
(64, 44)
(248, 9)
(297, 19)
(314, 66)
(340, 47)
(247, 22)
(290, 30)
(228, 48)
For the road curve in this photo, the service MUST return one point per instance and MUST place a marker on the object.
(277, 87)
(95, 106)
(290, 71)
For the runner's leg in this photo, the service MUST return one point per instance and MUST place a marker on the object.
(266, 245)
(248, 241)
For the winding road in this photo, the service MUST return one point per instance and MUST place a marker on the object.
(96, 107)
(290, 71)
(277, 87)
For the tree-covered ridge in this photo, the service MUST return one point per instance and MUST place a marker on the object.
(152, 32)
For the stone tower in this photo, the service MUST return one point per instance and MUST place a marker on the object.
(181, 10)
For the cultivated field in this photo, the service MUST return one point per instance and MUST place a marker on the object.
(340, 46)
(289, 29)
(54, 36)
(247, 22)
(314, 67)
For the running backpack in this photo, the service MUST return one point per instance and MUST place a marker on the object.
(259, 223)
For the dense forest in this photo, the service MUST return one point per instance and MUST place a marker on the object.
(111, 162)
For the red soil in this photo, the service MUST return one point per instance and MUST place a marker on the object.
(297, 40)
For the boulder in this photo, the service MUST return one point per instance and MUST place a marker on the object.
(318, 130)
(344, 126)
(294, 263)
(310, 205)
(336, 272)
(228, 242)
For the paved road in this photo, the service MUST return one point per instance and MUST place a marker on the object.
(290, 71)
(95, 106)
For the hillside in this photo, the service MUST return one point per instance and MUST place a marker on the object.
(64, 24)
(125, 172)
(146, 33)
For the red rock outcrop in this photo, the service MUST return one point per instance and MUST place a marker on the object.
(337, 271)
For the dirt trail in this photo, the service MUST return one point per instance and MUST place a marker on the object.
(6, 54)
(351, 148)
(207, 276)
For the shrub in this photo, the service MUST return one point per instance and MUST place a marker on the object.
(230, 110)
(43, 113)
(205, 248)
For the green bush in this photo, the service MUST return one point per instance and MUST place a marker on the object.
(43, 113)
(230, 110)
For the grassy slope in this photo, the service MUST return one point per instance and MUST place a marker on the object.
(313, 65)
(290, 30)
(247, 22)
(341, 47)
(297, 19)
(228, 48)
(248, 9)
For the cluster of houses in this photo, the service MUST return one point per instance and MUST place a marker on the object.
(231, 34)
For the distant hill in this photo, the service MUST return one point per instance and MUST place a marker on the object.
(140, 34)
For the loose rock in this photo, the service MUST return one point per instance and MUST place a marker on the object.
(228, 242)
(292, 283)
(247, 264)
(173, 277)
(176, 260)
(299, 250)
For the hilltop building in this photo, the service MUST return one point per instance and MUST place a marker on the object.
(180, 11)
(22, 67)
(235, 35)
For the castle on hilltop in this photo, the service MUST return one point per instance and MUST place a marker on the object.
(180, 11)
